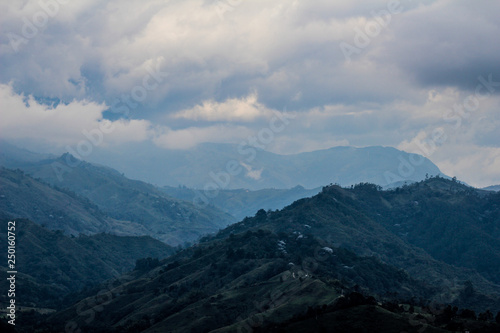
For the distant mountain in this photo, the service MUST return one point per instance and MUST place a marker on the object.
(13, 157)
(242, 203)
(51, 264)
(170, 220)
(494, 188)
(226, 166)
(143, 205)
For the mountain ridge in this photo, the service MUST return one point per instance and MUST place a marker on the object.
(319, 256)
(152, 211)
(231, 166)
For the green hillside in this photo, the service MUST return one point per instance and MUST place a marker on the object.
(24, 197)
(171, 220)
(335, 216)
(264, 282)
(51, 265)
(346, 258)
(452, 222)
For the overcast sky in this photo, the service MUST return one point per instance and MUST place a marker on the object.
(421, 76)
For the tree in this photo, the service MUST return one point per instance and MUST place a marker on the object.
(468, 314)
(485, 316)
(261, 215)
(146, 264)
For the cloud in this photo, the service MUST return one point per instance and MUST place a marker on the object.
(463, 142)
(233, 109)
(190, 137)
(65, 124)
(279, 49)
(452, 49)
(215, 70)
(478, 166)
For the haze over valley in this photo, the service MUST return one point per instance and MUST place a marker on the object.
(249, 166)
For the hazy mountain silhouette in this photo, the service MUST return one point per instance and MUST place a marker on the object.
(208, 165)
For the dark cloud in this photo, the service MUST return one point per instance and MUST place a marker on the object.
(447, 44)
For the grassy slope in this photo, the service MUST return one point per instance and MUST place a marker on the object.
(170, 220)
(25, 197)
(452, 222)
(208, 287)
(51, 264)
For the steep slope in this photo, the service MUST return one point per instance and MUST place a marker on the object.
(451, 221)
(221, 283)
(170, 220)
(335, 217)
(51, 265)
(258, 281)
(24, 197)
(279, 269)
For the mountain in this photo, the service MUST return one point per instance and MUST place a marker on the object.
(14, 157)
(51, 265)
(21, 196)
(363, 220)
(139, 204)
(211, 167)
(495, 188)
(242, 203)
(334, 261)
(452, 222)
(222, 284)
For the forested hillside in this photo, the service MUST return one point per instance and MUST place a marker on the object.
(51, 265)
(333, 261)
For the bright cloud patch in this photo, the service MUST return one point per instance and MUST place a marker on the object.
(233, 109)
(479, 166)
(192, 136)
(66, 124)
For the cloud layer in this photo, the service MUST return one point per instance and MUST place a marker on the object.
(184, 72)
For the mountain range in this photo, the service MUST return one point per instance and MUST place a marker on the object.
(106, 200)
(494, 188)
(410, 255)
(214, 205)
(327, 257)
(213, 167)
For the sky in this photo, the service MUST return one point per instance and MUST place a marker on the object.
(420, 76)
